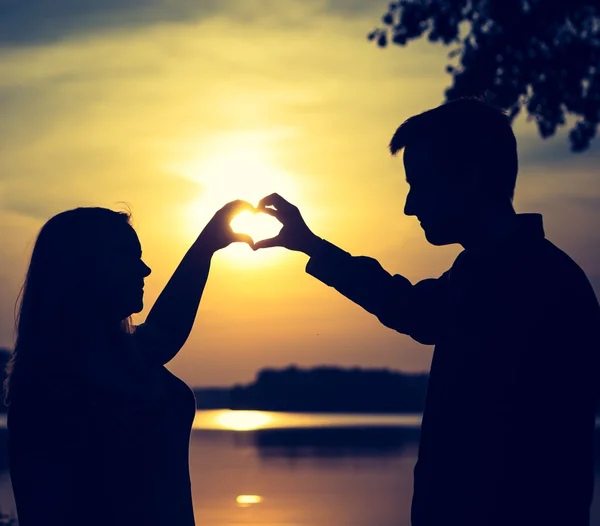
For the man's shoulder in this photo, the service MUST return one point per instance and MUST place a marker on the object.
(555, 259)
(565, 280)
(536, 266)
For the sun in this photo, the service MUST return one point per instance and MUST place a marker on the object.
(257, 226)
(245, 171)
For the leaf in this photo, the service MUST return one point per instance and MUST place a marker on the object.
(549, 51)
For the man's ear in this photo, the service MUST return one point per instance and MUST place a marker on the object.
(473, 178)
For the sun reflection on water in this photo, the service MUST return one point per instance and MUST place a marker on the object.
(247, 500)
(243, 420)
(234, 420)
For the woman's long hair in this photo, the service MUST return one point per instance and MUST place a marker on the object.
(55, 311)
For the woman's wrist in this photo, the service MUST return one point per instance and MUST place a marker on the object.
(205, 246)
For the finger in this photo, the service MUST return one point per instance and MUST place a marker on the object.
(268, 243)
(271, 212)
(235, 207)
(274, 200)
(243, 238)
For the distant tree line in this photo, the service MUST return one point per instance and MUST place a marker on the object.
(332, 389)
(318, 389)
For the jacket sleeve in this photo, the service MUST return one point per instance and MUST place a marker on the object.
(415, 310)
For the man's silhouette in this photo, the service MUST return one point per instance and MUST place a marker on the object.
(508, 427)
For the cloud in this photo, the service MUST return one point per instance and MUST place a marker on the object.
(37, 22)
(553, 152)
(125, 103)
(76, 111)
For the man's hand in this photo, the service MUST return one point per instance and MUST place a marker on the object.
(294, 235)
(218, 233)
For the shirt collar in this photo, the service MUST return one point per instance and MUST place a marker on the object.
(526, 228)
(530, 226)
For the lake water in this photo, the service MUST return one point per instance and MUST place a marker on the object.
(254, 468)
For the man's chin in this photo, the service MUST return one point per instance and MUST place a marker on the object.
(437, 239)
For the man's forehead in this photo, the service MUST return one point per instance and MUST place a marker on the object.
(421, 155)
(424, 148)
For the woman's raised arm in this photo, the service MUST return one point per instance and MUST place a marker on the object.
(170, 320)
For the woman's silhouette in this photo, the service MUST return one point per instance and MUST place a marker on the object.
(98, 428)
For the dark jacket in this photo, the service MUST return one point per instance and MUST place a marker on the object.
(507, 436)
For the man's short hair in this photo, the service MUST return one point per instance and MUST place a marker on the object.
(473, 134)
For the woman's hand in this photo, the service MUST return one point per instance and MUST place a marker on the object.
(218, 233)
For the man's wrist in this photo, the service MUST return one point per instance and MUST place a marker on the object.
(312, 245)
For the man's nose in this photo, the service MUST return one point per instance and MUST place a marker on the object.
(409, 206)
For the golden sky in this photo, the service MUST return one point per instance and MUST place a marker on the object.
(176, 109)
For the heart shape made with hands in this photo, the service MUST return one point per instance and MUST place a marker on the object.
(257, 225)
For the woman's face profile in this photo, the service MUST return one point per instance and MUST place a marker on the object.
(119, 282)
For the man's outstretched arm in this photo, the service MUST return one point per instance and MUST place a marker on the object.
(410, 309)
